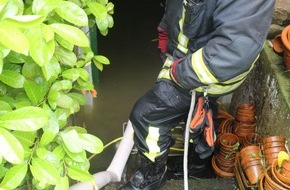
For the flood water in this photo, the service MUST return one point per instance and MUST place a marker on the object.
(131, 47)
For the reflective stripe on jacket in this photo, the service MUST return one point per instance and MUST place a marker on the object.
(219, 40)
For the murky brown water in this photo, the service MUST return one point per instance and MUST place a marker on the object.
(135, 64)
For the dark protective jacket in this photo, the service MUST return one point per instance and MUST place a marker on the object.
(218, 40)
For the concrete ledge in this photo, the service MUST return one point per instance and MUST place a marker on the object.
(269, 88)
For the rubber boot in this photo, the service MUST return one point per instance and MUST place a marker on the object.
(149, 176)
(196, 166)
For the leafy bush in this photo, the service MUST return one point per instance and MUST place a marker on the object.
(43, 54)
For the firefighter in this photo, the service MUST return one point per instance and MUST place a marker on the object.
(210, 44)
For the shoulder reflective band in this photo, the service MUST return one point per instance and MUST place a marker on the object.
(182, 39)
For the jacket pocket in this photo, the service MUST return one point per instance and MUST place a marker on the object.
(194, 16)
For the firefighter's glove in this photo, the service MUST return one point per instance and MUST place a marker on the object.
(162, 42)
(162, 39)
(198, 119)
(173, 70)
(165, 72)
(202, 129)
(203, 150)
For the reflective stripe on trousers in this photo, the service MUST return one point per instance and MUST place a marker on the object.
(155, 114)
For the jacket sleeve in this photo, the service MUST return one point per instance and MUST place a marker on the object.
(240, 31)
(162, 25)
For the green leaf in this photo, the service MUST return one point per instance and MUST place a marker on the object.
(7, 99)
(71, 74)
(52, 98)
(24, 119)
(2, 4)
(104, 32)
(4, 52)
(102, 59)
(59, 152)
(85, 166)
(80, 130)
(74, 145)
(65, 56)
(102, 24)
(51, 70)
(103, 2)
(24, 21)
(77, 157)
(14, 57)
(71, 34)
(79, 175)
(4, 107)
(30, 70)
(21, 104)
(62, 85)
(65, 101)
(14, 176)
(3, 90)
(40, 50)
(110, 7)
(84, 85)
(53, 95)
(12, 67)
(62, 116)
(35, 91)
(12, 78)
(43, 7)
(98, 65)
(80, 98)
(25, 138)
(64, 43)
(44, 171)
(110, 21)
(75, 107)
(72, 13)
(50, 131)
(1, 64)
(47, 32)
(11, 149)
(47, 155)
(89, 56)
(80, 63)
(83, 74)
(98, 10)
(47, 137)
(12, 8)
(63, 184)
(14, 39)
(91, 143)
(3, 169)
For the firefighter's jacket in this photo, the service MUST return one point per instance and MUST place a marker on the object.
(218, 40)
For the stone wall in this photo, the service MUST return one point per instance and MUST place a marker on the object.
(269, 88)
(268, 85)
(281, 17)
